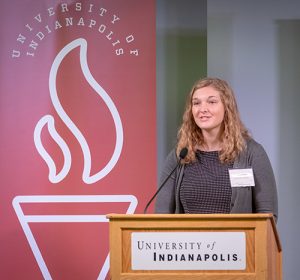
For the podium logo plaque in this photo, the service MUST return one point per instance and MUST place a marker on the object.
(188, 251)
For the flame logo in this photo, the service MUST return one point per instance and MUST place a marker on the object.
(54, 175)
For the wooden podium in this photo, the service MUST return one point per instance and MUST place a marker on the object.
(257, 251)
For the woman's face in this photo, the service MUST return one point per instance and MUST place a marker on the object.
(208, 109)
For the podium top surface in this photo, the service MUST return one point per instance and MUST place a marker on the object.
(113, 216)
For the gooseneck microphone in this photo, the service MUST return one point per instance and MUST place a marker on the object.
(182, 155)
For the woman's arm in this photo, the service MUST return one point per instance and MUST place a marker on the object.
(165, 200)
(265, 191)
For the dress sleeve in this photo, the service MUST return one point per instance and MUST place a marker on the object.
(265, 191)
(165, 200)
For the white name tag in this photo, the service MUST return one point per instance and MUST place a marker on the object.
(241, 177)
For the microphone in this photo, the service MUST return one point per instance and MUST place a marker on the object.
(182, 155)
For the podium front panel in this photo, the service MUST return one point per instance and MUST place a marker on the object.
(262, 246)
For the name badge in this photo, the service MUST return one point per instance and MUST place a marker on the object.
(241, 177)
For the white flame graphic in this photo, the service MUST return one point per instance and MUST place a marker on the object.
(55, 176)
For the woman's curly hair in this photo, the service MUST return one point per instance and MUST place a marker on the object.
(234, 132)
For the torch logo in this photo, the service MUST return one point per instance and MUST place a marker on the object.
(56, 176)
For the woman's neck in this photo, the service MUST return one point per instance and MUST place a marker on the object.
(211, 142)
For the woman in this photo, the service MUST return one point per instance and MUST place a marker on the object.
(225, 170)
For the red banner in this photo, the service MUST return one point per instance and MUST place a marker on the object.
(77, 106)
